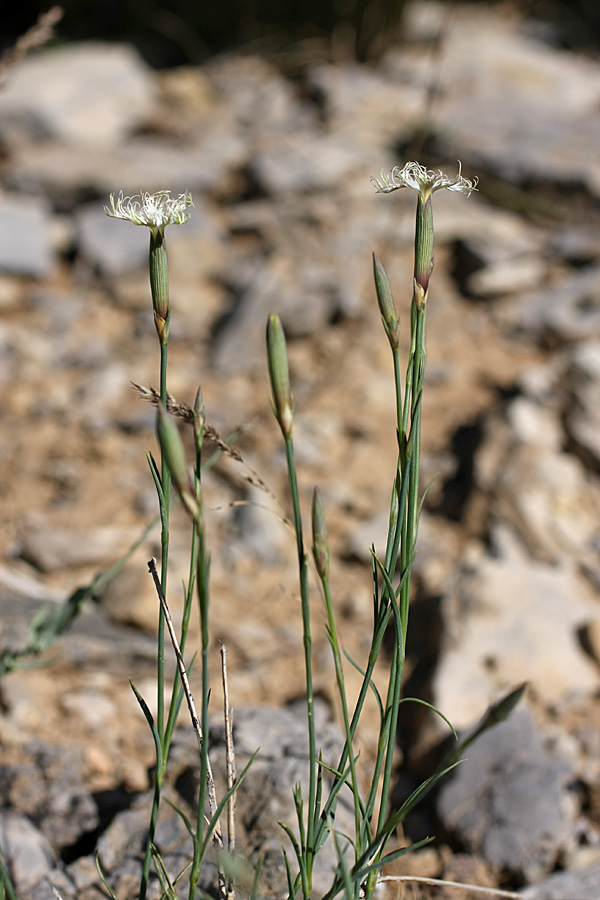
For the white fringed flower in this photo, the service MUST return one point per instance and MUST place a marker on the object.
(424, 181)
(153, 210)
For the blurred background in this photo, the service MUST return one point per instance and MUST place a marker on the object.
(184, 32)
(275, 117)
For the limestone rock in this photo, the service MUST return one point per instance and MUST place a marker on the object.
(509, 801)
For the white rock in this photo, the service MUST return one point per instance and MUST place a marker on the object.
(24, 235)
(508, 620)
(25, 850)
(89, 93)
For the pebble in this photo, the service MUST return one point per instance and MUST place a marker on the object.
(568, 311)
(49, 549)
(583, 884)
(493, 640)
(25, 247)
(89, 94)
(509, 801)
(25, 851)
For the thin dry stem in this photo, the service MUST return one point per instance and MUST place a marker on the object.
(36, 36)
(210, 782)
(186, 413)
(229, 766)
(420, 879)
(230, 752)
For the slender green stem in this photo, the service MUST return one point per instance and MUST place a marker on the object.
(410, 516)
(165, 476)
(339, 674)
(203, 600)
(165, 736)
(7, 891)
(312, 814)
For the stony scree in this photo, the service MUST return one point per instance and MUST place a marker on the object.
(510, 802)
(285, 219)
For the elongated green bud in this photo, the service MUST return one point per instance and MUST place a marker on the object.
(320, 546)
(279, 374)
(172, 449)
(387, 308)
(502, 708)
(159, 283)
(423, 250)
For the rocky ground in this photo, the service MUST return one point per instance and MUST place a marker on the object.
(278, 159)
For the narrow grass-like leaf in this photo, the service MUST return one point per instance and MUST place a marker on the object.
(425, 493)
(335, 789)
(163, 876)
(255, 887)
(371, 683)
(318, 794)
(6, 881)
(212, 824)
(154, 471)
(294, 843)
(150, 720)
(182, 815)
(103, 877)
(417, 795)
(288, 872)
(359, 875)
(433, 709)
(346, 877)
(497, 712)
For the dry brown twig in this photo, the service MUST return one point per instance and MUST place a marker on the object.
(36, 36)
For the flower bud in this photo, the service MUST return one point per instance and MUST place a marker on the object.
(172, 450)
(279, 374)
(320, 546)
(387, 308)
(159, 283)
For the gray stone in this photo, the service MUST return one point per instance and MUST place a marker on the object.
(509, 619)
(257, 531)
(569, 310)
(507, 277)
(65, 174)
(308, 162)
(374, 108)
(577, 244)
(87, 94)
(531, 111)
(57, 878)
(509, 801)
(48, 787)
(51, 549)
(265, 797)
(24, 236)
(25, 851)
(581, 884)
(112, 247)
(125, 836)
(252, 96)
(545, 493)
(239, 344)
